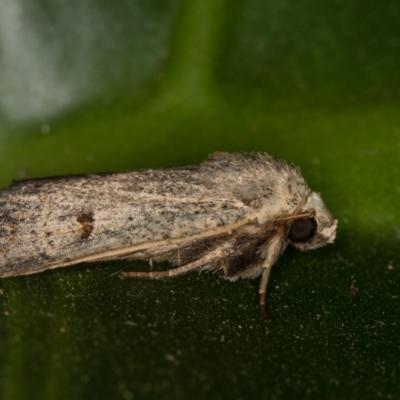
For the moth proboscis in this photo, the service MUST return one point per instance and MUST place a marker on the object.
(234, 214)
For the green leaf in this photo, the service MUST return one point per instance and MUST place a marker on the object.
(89, 86)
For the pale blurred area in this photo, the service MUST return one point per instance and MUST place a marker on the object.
(55, 55)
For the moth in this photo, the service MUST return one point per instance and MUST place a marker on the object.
(234, 214)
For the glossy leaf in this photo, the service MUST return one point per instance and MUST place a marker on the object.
(94, 86)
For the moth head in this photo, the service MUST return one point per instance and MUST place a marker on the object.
(317, 229)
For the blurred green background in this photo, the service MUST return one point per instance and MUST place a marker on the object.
(91, 85)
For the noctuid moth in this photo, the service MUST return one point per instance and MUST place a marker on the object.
(234, 214)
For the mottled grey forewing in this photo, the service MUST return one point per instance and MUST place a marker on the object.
(45, 223)
(54, 222)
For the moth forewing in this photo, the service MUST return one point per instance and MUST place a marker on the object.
(234, 215)
(147, 247)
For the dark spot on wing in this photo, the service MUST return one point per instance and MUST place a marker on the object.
(86, 226)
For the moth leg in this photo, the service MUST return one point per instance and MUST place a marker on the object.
(161, 274)
(262, 292)
(272, 252)
(224, 267)
(195, 265)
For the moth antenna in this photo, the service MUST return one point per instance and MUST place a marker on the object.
(306, 214)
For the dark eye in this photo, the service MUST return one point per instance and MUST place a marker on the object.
(302, 230)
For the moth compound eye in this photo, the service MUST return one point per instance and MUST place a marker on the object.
(302, 230)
